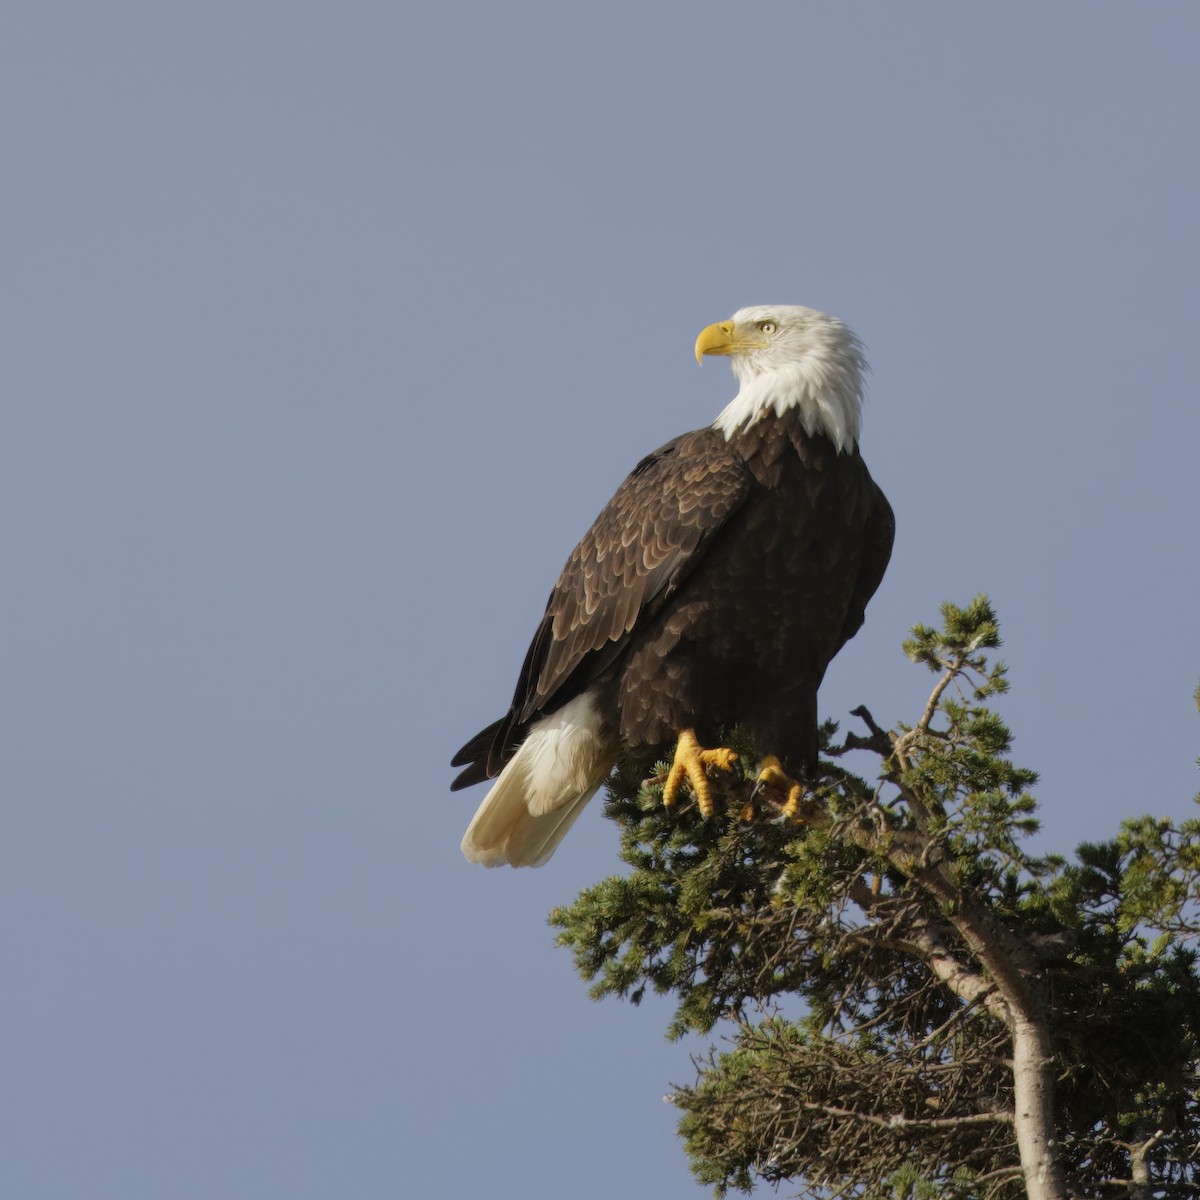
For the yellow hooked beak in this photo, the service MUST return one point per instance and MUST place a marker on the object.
(716, 339)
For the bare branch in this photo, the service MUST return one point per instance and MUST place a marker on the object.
(898, 1121)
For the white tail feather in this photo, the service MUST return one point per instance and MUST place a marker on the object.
(539, 794)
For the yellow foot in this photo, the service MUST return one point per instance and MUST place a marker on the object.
(773, 781)
(691, 763)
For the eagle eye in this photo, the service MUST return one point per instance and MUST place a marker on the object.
(767, 326)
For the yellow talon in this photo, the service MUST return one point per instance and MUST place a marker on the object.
(772, 777)
(690, 763)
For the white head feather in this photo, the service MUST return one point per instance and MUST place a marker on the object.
(786, 357)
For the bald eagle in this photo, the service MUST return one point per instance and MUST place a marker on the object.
(713, 590)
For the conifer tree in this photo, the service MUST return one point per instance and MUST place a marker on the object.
(911, 1004)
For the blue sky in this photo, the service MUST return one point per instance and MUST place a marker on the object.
(326, 332)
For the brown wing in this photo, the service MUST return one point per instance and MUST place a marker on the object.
(639, 549)
(878, 535)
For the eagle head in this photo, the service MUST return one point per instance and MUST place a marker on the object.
(787, 357)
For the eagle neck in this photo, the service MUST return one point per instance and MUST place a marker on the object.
(826, 396)
(769, 445)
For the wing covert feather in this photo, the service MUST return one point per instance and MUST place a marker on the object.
(637, 552)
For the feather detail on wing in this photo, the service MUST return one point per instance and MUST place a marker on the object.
(638, 551)
(640, 548)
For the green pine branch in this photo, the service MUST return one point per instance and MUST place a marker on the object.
(978, 1021)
